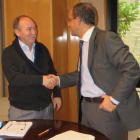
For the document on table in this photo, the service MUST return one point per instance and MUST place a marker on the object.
(15, 128)
(72, 135)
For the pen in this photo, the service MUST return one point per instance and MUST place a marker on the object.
(44, 132)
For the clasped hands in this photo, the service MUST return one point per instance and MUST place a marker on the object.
(50, 81)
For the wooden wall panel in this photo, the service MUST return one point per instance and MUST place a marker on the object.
(61, 52)
(65, 57)
(73, 49)
(1, 47)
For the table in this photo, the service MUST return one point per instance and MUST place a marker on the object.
(57, 128)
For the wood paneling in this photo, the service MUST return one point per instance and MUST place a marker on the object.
(2, 84)
(65, 57)
(61, 51)
(73, 49)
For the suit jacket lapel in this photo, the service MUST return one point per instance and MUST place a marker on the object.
(29, 62)
(92, 48)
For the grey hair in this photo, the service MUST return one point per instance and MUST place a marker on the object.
(16, 22)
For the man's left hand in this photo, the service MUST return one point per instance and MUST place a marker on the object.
(57, 103)
(107, 105)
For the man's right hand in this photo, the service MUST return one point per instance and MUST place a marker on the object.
(54, 79)
(47, 82)
(50, 81)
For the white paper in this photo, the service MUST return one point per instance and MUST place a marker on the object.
(72, 135)
(13, 128)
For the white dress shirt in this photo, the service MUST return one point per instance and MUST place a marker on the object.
(88, 87)
(28, 53)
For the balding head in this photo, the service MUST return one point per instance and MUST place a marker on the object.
(25, 29)
(16, 22)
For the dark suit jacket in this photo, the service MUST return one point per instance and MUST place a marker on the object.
(114, 70)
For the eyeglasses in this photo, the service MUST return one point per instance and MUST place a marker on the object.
(68, 20)
(16, 126)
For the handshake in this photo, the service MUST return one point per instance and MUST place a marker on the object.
(50, 81)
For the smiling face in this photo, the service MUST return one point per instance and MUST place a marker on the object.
(26, 31)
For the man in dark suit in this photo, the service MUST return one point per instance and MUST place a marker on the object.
(26, 64)
(107, 77)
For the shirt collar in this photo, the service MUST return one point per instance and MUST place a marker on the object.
(87, 35)
(25, 47)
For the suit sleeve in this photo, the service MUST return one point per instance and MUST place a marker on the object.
(68, 80)
(125, 63)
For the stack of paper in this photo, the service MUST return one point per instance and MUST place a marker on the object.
(72, 135)
(13, 128)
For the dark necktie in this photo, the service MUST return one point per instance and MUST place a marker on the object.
(80, 66)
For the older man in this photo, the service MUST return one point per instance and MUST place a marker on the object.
(26, 64)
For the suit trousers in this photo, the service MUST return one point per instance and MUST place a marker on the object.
(105, 122)
(19, 114)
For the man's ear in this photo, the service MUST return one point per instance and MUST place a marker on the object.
(17, 32)
(78, 20)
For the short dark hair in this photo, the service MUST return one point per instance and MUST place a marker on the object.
(16, 22)
(86, 12)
